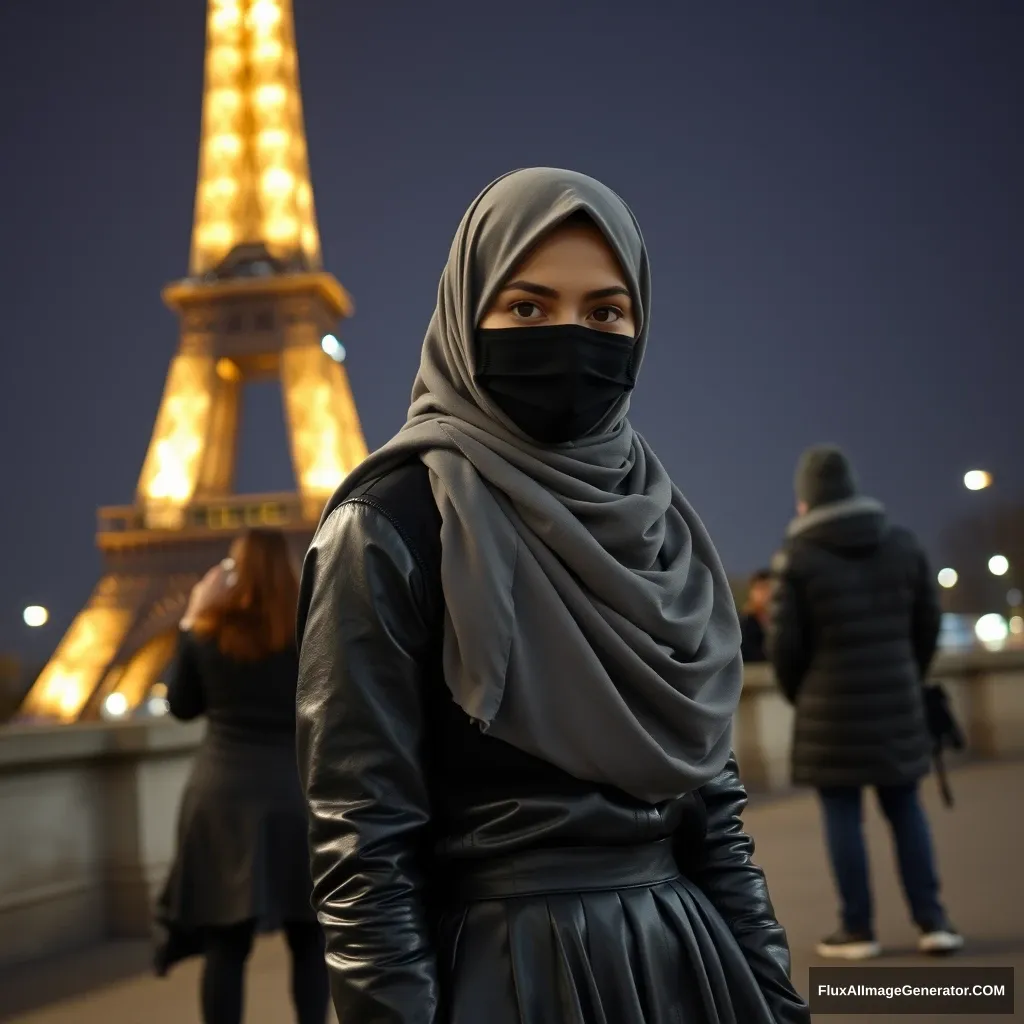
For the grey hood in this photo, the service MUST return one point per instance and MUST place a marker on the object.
(858, 523)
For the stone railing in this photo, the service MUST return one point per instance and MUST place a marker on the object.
(87, 822)
(986, 692)
(88, 812)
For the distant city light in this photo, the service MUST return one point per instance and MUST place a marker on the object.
(157, 704)
(333, 348)
(977, 480)
(999, 565)
(948, 578)
(991, 629)
(115, 705)
(1017, 625)
(35, 615)
(1014, 598)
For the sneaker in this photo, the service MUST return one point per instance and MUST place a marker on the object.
(846, 945)
(940, 941)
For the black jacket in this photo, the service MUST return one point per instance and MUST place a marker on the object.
(752, 632)
(248, 700)
(407, 795)
(854, 626)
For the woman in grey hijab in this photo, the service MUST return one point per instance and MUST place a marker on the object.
(519, 665)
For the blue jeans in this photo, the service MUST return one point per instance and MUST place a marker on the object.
(841, 807)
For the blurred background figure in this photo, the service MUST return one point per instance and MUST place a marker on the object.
(242, 864)
(853, 629)
(755, 616)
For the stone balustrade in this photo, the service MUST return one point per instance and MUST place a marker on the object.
(87, 822)
(88, 812)
(986, 692)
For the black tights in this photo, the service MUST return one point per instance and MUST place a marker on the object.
(223, 982)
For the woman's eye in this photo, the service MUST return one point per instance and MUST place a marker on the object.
(607, 314)
(526, 310)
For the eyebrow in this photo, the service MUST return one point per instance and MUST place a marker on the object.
(550, 293)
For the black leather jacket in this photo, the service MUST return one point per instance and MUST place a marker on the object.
(401, 785)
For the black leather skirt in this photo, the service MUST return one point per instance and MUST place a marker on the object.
(608, 935)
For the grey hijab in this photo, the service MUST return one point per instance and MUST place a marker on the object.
(589, 621)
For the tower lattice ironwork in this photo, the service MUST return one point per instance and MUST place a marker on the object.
(256, 304)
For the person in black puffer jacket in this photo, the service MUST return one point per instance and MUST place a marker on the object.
(853, 628)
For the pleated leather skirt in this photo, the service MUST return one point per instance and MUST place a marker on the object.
(590, 936)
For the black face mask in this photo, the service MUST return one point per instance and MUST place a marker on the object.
(555, 383)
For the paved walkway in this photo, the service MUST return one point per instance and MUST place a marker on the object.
(980, 846)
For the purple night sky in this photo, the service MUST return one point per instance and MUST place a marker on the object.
(831, 194)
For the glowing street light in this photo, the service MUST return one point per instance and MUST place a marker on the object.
(991, 630)
(157, 706)
(35, 615)
(115, 705)
(157, 703)
(977, 480)
(999, 565)
(948, 578)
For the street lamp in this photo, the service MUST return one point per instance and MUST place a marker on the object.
(35, 615)
(115, 706)
(977, 480)
(999, 565)
(948, 578)
(991, 629)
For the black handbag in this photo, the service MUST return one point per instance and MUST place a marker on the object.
(945, 732)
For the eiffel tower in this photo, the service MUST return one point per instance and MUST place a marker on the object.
(256, 304)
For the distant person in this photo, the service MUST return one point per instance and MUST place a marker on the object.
(755, 617)
(242, 865)
(853, 629)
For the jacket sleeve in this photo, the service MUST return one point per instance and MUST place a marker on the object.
(788, 637)
(185, 697)
(726, 873)
(926, 618)
(364, 635)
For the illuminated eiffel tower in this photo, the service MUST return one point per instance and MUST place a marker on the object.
(256, 304)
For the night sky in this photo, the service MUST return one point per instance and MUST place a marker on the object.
(831, 194)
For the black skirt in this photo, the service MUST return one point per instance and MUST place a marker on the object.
(613, 936)
(242, 851)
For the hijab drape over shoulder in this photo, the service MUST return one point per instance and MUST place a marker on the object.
(589, 620)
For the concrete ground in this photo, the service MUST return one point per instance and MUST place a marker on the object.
(981, 856)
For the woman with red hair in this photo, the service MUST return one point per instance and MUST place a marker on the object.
(242, 865)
